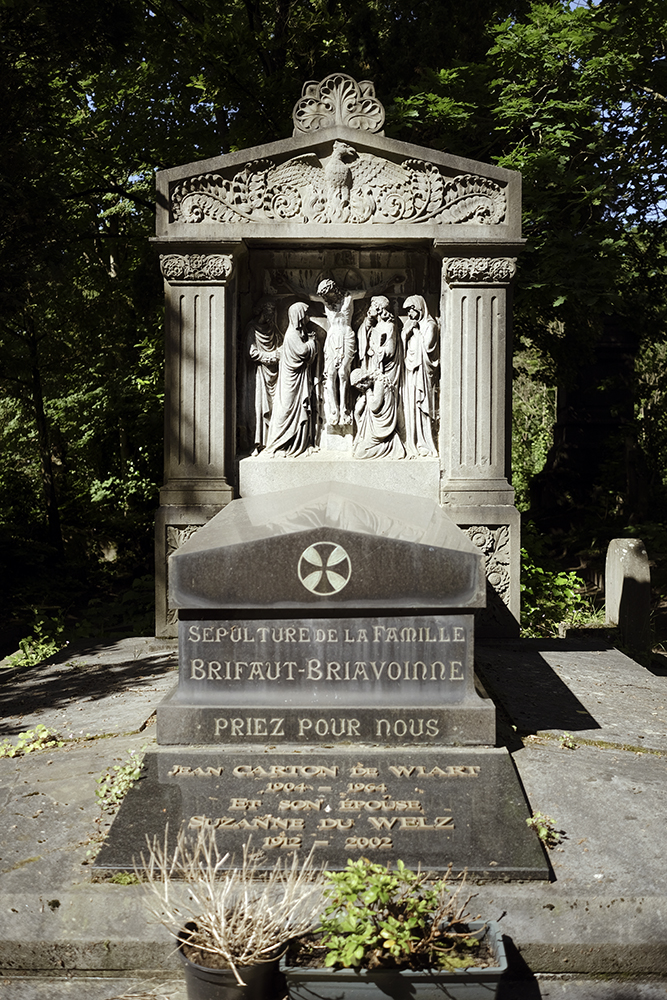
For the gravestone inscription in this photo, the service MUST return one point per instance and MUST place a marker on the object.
(428, 807)
(316, 719)
(396, 679)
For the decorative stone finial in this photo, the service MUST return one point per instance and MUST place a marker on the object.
(338, 100)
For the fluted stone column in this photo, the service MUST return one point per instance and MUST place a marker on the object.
(200, 321)
(475, 424)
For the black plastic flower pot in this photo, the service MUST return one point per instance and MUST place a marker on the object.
(203, 983)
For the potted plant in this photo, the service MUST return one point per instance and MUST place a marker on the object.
(397, 933)
(232, 924)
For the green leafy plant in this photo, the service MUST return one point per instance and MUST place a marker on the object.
(377, 917)
(568, 742)
(116, 782)
(43, 642)
(39, 738)
(551, 598)
(545, 828)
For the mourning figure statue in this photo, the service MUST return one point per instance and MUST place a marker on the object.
(263, 342)
(377, 381)
(292, 426)
(420, 348)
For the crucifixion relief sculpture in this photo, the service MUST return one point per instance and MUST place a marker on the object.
(379, 381)
(340, 341)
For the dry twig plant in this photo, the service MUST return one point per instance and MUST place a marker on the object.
(242, 914)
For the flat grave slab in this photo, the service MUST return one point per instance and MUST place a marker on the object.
(427, 807)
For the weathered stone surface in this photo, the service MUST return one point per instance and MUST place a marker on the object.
(627, 583)
(89, 689)
(258, 475)
(329, 546)
(425, 807)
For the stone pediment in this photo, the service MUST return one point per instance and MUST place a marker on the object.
(329, 545)
(335, 181)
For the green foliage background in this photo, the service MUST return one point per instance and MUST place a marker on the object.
(97, 96)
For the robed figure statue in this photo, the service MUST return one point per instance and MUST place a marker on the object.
(291, 431)
(420, 349)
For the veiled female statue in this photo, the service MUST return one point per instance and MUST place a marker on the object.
(378, 380)
(263, 345)
(292, 427)
(420, 349)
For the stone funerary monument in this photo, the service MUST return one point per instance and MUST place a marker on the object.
(337, 308)
(336, 519)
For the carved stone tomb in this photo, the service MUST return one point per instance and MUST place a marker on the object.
(337, 308)
(336, 520)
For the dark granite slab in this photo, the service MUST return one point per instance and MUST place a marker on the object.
(341, 662)
(472, 723)
(397, 679)
(332, 545)
(427, 807)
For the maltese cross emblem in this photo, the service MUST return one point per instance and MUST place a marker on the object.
(324, 568)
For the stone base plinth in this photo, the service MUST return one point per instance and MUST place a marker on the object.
(417, 477)
(471, 723)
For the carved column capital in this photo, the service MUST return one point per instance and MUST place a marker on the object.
(216, 268)
(478, 270)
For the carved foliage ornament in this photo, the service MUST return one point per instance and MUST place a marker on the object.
(337, 100)
(465, 270)
(351, 187)
(495, 544)
(176, 536)
(196, 267)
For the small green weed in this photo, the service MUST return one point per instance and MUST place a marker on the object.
(116, 782)
(39, 738)
(125, 878)
(568, 742)
(45, 640)
(545, 828)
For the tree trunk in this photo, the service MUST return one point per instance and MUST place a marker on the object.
(44, 444)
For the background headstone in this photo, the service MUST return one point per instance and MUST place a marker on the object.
(628, 592)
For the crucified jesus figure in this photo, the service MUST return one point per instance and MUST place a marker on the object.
(341, 341)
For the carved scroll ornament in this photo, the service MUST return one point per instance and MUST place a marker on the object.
(351, 187)
(196, 267)
(337, 100)
(470, 270)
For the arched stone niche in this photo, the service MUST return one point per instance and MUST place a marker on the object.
(338, 308)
